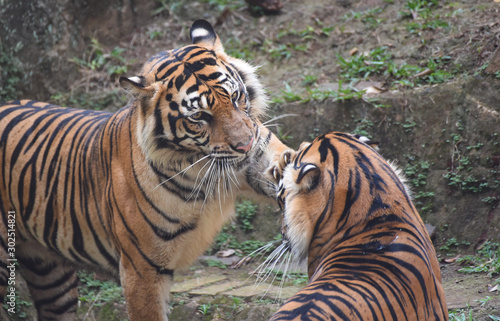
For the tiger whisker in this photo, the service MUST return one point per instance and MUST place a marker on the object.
(182, 171)
(235, 180)
(197, 188)
(208, 190)
(255, 254)
(199, 185)
(270, 125)
(283, 251)
(202, 182)
(279, 117)
(285, 274)
(219, 174)
(272, 259)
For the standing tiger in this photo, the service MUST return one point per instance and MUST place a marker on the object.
(136, 194)
(369, 256)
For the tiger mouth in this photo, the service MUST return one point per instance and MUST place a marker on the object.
(233, 161)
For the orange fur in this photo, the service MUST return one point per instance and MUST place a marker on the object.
(348, 213)
(139, 193)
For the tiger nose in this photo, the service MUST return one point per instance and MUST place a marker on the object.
(244, 148)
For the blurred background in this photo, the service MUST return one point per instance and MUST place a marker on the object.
(422, 77)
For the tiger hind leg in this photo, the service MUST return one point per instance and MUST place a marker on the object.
(52, 282)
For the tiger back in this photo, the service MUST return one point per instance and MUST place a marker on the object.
(135, 194)
(347, 212)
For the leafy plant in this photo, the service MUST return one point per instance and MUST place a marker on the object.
(418, 8)
(215, 263)
(98, 292)
(204, 308)
(99, 59)
(369, 17)
(290, 95)
(417, 172)
(221, 5)
(10, 74)
(364, 65)
(309, 80)
(487, 260)
(245, 212)
(20, 305)
(452, 244)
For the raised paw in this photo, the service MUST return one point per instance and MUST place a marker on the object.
(275, 169)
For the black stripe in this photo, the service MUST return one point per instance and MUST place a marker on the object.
(54, 284)
(164, 234)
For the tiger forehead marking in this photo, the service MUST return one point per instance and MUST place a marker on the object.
(199, 77)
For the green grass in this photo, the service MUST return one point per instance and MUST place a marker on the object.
(245, 213)
(468, 315)
(100, 59)
(98, 293)
(380, 62)
(369, 17)
(487, 260)
(215, 263)
(10, 74)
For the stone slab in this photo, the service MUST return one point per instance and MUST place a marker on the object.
(264, 290)
(190, 284)
(215, 289)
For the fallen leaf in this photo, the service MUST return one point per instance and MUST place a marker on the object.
(423, 73)
(353, 51)
(495, 288)
(226, 253)
(451, 259)
(373, 90)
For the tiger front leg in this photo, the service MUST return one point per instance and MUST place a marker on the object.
(147, 291)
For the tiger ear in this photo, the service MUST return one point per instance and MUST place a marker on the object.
(308, 177)
(367, 141)
(135, 87)
(203, 34)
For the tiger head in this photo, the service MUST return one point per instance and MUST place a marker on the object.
(329, 189)
(197, 100)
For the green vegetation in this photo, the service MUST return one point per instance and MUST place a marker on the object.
(380, 62)
(369, 17)
(363, 127)
(205, 309)
(99, 59)
(20, 308)
(487, 260)
(97, 292)
(100, 68)
(416, 172)
(215, 263)
(316, 94)
(10, 74)
(229, 237)
(245, 213)
(464, 160)
(221, 5)
(423, 18)
(295, 278)
(451, 245)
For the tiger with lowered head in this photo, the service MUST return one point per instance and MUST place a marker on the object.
(136, 194)
(369, 257)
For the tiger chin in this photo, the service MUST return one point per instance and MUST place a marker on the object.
(137, 194)
(347, 212)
